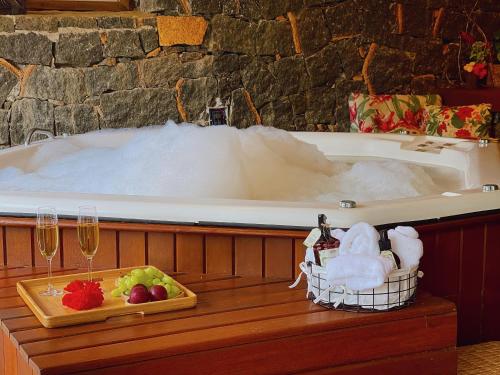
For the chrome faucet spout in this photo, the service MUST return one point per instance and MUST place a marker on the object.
(38, 131)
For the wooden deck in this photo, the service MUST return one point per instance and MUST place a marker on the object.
(460, 258)
(241, 325)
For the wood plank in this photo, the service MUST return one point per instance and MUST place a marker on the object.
(278, 257)
(72, 255)
(16, 312)
(8, 292)
(2, 354)
(491, 288)
(91, 339)
(435, 362)
(10, 355)
(471, 285)
(23, 365)
(169, 228)
(3, 253)
(106, 252)
(298, 255)
(447, 262)
(248, 348)
(189, 253)
(221, 304)
(38, 273)
(248, 256)
(428, 263)
(132, 249)
(161, 250)
(219, 254)
(18, 243)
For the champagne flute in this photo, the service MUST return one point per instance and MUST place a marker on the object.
(47, 235)
(88, 234)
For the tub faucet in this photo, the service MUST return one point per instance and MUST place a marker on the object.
(37, 131)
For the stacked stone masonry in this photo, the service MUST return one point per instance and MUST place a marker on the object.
(286, 63)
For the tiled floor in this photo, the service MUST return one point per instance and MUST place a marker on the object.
(481, 359)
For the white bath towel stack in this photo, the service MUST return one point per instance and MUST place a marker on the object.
(358, 272)
(359, 265)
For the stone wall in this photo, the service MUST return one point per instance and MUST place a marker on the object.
(286, 63)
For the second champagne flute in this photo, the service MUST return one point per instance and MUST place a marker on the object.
(88, 234)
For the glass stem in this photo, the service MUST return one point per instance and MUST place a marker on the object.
(90, 269)
(49, 287)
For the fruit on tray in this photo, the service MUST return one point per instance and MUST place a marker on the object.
(148, 278)
(158, 293)
(139, 294)
(83, 295)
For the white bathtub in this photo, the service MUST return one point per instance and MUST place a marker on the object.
(479, 165)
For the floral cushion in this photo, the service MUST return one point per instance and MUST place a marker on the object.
(389, 113)
(471, 122)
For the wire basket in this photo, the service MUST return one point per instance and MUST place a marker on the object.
(399, 291)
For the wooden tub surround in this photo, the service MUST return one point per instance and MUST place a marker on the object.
(460, 260)
(241, 325)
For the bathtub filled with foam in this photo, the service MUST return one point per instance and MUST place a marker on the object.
(257, 176)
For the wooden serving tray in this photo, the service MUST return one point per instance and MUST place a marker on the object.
(51, 313)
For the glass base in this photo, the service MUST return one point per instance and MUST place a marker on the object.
(51, 292)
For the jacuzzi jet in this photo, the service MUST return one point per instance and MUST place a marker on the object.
(483, 142)
(347, 204)
(489, 187)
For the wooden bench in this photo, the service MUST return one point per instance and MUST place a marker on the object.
(241, 325)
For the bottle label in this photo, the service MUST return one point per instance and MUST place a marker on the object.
(389, 255)
(313, 237)
(326, 255)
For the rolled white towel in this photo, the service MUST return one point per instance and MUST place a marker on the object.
(361, 238)
(406, 244)
(358, 272)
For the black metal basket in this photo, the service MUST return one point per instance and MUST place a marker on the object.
(398, 291)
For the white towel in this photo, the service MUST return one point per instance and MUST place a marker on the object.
(406, 244)
(338, 234)
(358, 272)
(362, 238)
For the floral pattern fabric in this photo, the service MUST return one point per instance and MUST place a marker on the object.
(470, 122)
(389, 113)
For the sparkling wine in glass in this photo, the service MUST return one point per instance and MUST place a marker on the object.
(47, 236)
(88, 234)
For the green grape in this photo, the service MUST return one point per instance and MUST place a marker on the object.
(159, 274)
(167, 280)
(136, 280)
(157, 282)
(149, 283)
(130, 283)
(150, 271)
(138, 272)
(175, 290)
(116, 292)
(168, 287)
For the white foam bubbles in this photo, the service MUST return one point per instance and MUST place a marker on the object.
(185, 160)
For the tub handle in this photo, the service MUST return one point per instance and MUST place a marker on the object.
(38, 131)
